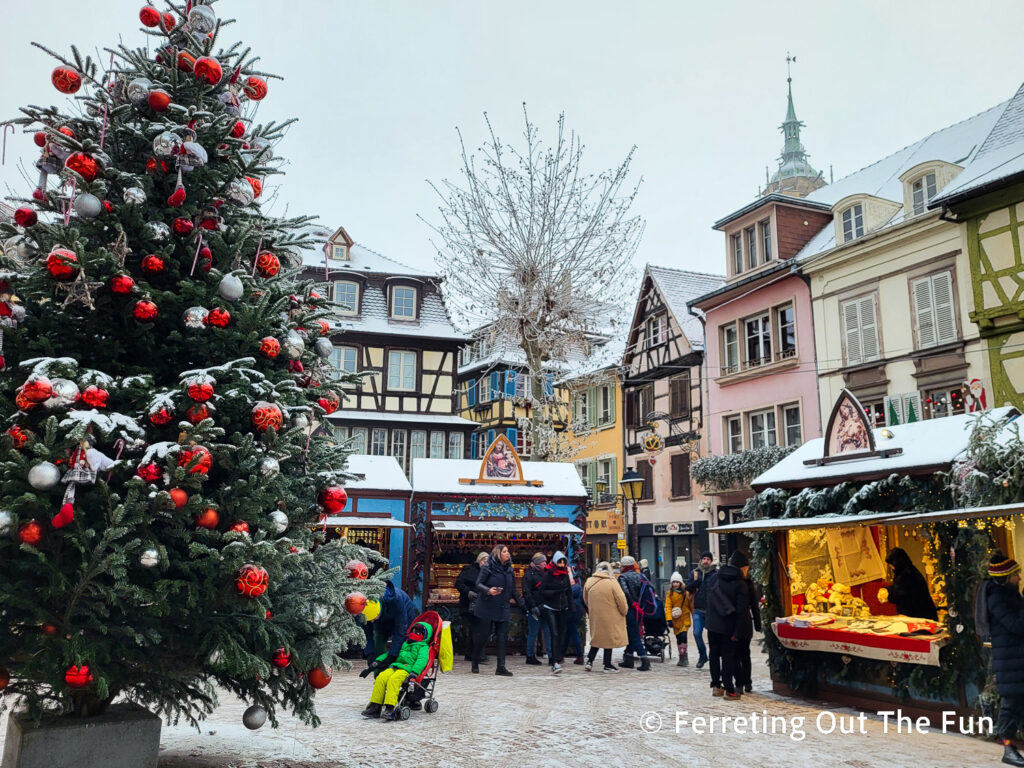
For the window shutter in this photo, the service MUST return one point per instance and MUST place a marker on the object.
(613, 479)
(924, 311)
(681, 474)
(592, 480)
(471, 393)
(911, 407)
(472, 446)
(490, 437)
(512, 434)
(630, 409)
(868, 329)
(893, 410)
(495, 385)
(593, 403)
(510, 384)
(549, 384)
(851, 325)
(945, 315)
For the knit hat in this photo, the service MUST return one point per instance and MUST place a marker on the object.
(643, 563)
(738, 560)
(603, 566)
(706, 554)
(676, 577)
(627, 560)
(481, 557)
(1000, 568)
(539, 558)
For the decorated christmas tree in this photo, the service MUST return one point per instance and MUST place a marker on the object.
(161, 476)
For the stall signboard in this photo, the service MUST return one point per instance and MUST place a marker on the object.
(673, 529)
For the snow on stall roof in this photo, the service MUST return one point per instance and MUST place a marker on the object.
(931, 443)
(957, 143)
(442, 476)
(679, 287)
(378, 473)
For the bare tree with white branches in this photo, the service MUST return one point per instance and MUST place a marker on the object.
(540, 251)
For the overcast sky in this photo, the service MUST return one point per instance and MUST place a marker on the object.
(699, 88)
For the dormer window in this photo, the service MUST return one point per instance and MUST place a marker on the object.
(923, 190)
(403, 302)
(339, 251)
(656, 330)
(346, 294)
(737, 254)
(853, 222)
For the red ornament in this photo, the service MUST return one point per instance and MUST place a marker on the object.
(266, 416)
(37, 389)
(121, 285)
(201, 456)
(183, 227)
(149, 16)
(256, 184)
(206, 253)
(319, 677)
(39, 137)
(30, 533)
(66, 131)
(270, 347)
(145, 311)
(255, 87)
(268, 614)
(78, 677)
(23, 402)
(296, 366)
(357, 569)
(153, 265)
(355, 603)
(197, 413)
(95, 396)
(59, 264)
(153, 165)
(5, 679)
(330, 402)
(38, 194)
(66, 79)
(177, 197)
(267, 264)
(186, 61)
(159, 100)
(49, 630)
(239, 526)
(238, 130)
(179, 497)
(25, 217)
(19, 436)
(108, 206)
(333, 499)
(252, 580)
(218, 318)
(281, 658)
(325, 327)
(169, 21)
(200, 390)
(161, 418)
(85, 166)
(208, 68)
(209, 519)
(151, 473)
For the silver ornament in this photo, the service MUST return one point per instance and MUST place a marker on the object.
(254, 717)
(88, 206)
(269, 466)
(216, 657)
(135, 195)
(202, 19)
(149, 558)
(261, 150)
(300, 421)
(239, 192)
(321, 615)
(15, 248)
(280, 520)
(194, 318)
(158, 230)
(192, 156)
(166, 144)
(293, 345)
(138, 91)
(323, 347)
(17, 313)
(6, 522)
(230, 288)
(44, 476)
(64, 392)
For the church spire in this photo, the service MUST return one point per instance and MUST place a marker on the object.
(795, 175)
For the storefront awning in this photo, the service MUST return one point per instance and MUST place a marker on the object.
(334, 521)
(964, 513)
(501, 526)
(821, 521)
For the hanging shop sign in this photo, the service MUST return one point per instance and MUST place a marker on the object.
(673, 529)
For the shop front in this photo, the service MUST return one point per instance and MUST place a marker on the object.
(836, 528)
(669, 547)
(464, 507)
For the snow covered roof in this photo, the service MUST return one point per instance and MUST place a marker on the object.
(504, 526)
(362, 260)
(436, 419)
(931, 444)
(1000, 157)
(679, 287)
(433, 321)
(379, 473)
(957, 144)
(443, 475)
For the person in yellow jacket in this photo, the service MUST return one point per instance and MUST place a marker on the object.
(678, 611)
(412, 660)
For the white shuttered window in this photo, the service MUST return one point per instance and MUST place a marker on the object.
(861, 330)
(933, 309)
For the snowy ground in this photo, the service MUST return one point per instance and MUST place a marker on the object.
(577, 719)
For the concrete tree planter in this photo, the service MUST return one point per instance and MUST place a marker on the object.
(125, 736)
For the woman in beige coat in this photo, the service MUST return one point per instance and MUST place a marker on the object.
(606, 607)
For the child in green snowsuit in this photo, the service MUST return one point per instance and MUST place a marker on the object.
(412, 660)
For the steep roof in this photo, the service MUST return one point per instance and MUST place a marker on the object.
(678, 287)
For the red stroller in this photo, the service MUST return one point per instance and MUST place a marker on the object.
(421, 687)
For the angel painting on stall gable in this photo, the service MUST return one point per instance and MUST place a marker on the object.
(501, 465)
(850, 434)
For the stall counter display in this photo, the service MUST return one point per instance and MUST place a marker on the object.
(887, 638)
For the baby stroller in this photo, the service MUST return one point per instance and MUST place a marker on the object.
(416, 689)
(656, 634)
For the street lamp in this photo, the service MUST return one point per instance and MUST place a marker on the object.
(632, 487)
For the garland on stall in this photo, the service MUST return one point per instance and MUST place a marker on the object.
(736, 470)
(419, 547)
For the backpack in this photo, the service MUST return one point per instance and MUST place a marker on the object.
(718, 600)
(981, 623)
(647, 600)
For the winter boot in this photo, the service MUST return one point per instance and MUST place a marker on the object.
(1011, 756)
(684, 660)
(475, 668)
(533, 661)
(645, 664)
(372, 710)
(702, 661)
(627, 661)
(580, 660)
(389, 714)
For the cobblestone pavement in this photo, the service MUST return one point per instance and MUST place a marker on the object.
(576, 719)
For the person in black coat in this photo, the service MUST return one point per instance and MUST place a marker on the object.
(729, 623)
(697, 586)
(744, 667)
(535, 627)
(556, 603)
(909, 590)
(496, 589)
(466, 586)
(1006, 625)
(572, 632)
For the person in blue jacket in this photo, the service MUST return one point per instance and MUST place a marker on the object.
(397, 613)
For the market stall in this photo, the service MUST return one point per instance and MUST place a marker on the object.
(840, 526)
(463, 507)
